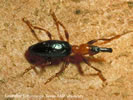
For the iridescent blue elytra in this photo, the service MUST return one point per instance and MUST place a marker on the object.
(51, 49)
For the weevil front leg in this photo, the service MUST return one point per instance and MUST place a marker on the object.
(99, 71)
(105, 40)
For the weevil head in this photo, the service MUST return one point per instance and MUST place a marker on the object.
(95, 49)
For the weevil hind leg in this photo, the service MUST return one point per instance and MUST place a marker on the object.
(28, 69)
(47, 32)
(36, 27)
(31, 29)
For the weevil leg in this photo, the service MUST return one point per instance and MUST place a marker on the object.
(92, 59)
(76, 59)
(99, 71)
(80, 69)
(47, 32)
(109, 39)
(30, 26)
(28, 69)
(104, 39)
(65, 31)
(64, 66)
(35, 27)
(57, 25)
(41, 66)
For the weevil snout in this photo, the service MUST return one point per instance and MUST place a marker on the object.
(96, 49)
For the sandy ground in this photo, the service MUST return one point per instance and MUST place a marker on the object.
(85, 20)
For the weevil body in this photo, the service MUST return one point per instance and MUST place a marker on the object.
(51, 52)
(51, 49)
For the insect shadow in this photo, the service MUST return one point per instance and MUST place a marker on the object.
(53, 52)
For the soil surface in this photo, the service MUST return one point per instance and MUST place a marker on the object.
(85, 20)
